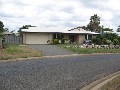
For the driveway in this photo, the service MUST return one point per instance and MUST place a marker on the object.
(50, 50)
(64, 73)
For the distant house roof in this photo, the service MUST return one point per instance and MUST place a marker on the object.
(58, 30)
(7, 33)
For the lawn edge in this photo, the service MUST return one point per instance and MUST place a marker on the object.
(99, 83)
(56, 56)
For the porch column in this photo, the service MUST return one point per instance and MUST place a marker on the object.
(56, 35)
(87, 36)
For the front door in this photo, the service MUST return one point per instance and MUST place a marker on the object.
(72, 38)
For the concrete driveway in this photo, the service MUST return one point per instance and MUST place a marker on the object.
(63, 73)
(50, 50)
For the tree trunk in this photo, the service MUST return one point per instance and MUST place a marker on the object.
(2, 44)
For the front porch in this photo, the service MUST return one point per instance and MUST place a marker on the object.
(71, 38)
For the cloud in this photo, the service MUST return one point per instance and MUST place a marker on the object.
(69, 13)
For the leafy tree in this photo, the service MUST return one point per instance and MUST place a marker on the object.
(101, 29)
(25, 27)
(118, 30)
(1, 30)
(119, 39)
(1, 27)
(111, 36)
(6, 30)
(108, 29)
(94, 23)
(84, 27)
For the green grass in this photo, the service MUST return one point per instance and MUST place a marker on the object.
(17, 51)
(112, 85)
(13, 49)
(78, 50)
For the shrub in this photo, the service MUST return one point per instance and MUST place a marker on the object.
(62, 41)
(65, 41)
(109, 42)
(94, 40)
(49, 41)
(119, 40)
(55, 41)
(104, 40)
(97, 41)
(116, 42)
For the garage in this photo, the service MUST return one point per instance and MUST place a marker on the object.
(36, 38)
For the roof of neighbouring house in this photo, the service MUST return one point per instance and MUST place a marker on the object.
(7, 33)
(58, 30)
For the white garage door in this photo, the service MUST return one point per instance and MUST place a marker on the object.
(37, 38)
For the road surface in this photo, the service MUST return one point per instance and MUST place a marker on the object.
(62, 73)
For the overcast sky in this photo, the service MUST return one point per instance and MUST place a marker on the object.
(68, 13)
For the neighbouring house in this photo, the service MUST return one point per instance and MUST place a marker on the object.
(46, 35)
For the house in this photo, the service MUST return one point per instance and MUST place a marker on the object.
(42, 35)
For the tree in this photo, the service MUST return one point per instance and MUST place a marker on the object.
(6, 30)
(25, 27)
(84, 27)
(108, 29)
(118, 30)
(1, 31)
(1, 27)
(94, 23)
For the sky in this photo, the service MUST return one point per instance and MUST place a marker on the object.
(59, 13)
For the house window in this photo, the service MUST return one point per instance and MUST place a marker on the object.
(88, 37)
(59, 36)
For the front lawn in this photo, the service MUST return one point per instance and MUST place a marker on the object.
(78, 50)
(112, 85)
(18, 51)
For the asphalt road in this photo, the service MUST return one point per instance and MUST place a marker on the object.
(64, 73)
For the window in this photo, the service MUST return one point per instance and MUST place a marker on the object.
(88, 37)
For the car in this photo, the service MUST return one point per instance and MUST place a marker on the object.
(88, 42)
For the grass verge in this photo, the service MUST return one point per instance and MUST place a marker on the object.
(78, 50)
(112, 85)
(18, 51)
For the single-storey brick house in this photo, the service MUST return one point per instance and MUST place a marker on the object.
(41, 35)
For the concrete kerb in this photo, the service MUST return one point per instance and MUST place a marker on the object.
(99, 83)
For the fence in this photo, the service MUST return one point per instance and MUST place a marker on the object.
(13, 39)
